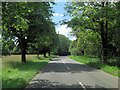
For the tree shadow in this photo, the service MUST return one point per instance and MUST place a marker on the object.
(97, 64)
(91, 56)
(12, 83)
(28, 66)
(56, 65)
(38, 57)
(47, 57)
(48, 84)
(16, 82)
(110, 61)
(114, 62)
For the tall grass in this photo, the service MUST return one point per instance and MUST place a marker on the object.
(16, 74)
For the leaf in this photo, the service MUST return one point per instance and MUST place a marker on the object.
(29, 10)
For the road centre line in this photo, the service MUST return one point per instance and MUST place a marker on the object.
(63, 61)
(65, 65)
(68, 68)
(82, 85)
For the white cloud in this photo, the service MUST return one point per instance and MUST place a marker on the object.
(69, 19)
(64, 30)
(72, 38)
(61, 15)
(57, 14)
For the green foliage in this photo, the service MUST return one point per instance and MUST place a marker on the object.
(63, 45)
(5, 51)
(23, 22)
(16, 74)
(46, 40)
(95, 26)
(73, 48)
(94, 62)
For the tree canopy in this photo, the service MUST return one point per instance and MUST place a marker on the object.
(63, 45)
(25, 22)
(95, 24)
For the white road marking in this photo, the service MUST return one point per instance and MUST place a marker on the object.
(65, 65)
(68, 68)
(63, 62)
(82, 86)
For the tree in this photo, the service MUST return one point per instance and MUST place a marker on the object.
(73, 48)
(98, 17)
(21, 21)
(63, 45)
(47, 39)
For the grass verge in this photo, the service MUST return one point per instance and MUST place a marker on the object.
(94, 62)
(16, 74)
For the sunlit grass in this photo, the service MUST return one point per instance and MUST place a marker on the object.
(16, 74)
(95, 62)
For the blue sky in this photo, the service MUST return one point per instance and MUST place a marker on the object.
(58, 16)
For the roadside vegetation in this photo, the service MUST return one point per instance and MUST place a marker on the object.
(16, 74)
(96, 27)
(63, 45)
(27, 28)
(95, 62)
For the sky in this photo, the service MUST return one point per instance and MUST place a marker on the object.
(59, 16)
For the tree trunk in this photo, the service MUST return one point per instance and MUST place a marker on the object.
(38, 55)
(104, 44)
(82, 52)
(44, 54)
(49, 53)
(106, 32)
(103, 39)
(38, 50)
(23, 53)
(23, 45)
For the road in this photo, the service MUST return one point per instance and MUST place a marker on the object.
(63, 72)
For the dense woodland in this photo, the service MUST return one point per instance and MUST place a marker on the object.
(28, 29)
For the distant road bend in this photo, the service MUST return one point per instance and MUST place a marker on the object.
(63, 72)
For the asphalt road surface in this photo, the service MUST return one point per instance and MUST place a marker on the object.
(63, 72)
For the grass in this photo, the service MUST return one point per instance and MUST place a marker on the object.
(16, 74)
(94, 62)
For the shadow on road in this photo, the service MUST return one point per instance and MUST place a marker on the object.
(48, 84)
(56, 65)
(60, 76)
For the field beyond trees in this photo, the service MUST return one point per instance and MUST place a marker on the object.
(16, 74)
